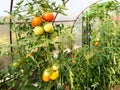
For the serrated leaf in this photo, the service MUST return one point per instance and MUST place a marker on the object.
(62, 12)
(20, 2)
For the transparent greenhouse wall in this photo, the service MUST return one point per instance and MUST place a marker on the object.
(77, 31)
(4, 34)
(4, 42)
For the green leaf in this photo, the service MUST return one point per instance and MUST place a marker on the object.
(63, 13)
(20, 2)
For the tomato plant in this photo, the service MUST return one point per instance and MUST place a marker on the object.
(43, 56)
(34, 65)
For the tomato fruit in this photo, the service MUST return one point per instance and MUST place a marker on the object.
(16, 64)
(96, 43)
(48, 27)
(57, 39)
(37, 20)
(38, 30)
(53, 35)
(45, 78)
(45, 75)
(9, 16)
(48, 16)
(55, 67)
(20, 61)
(54, 75)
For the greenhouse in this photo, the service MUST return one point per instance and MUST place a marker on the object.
(60, 45)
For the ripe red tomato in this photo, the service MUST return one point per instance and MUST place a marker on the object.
(48, 16)
(37, 20)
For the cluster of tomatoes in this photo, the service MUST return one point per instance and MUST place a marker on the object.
(43, 23)
(51, 73)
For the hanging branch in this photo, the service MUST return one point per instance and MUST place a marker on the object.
(59, 11)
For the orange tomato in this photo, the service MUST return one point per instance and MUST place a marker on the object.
(37, 20)
(45, 78)
(48, 16)
(96, 43)
(45, 75)
(54, 75)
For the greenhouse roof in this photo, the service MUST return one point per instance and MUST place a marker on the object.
(74, 8)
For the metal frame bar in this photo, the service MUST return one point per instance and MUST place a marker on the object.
(10, 32)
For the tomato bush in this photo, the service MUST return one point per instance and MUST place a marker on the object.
(40, 60)
(33, 50)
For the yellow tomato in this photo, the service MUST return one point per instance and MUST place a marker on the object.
(55, 67)
(38, 30)
(48, 27)
(9, 16)
(54, 75)
(16, 64)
